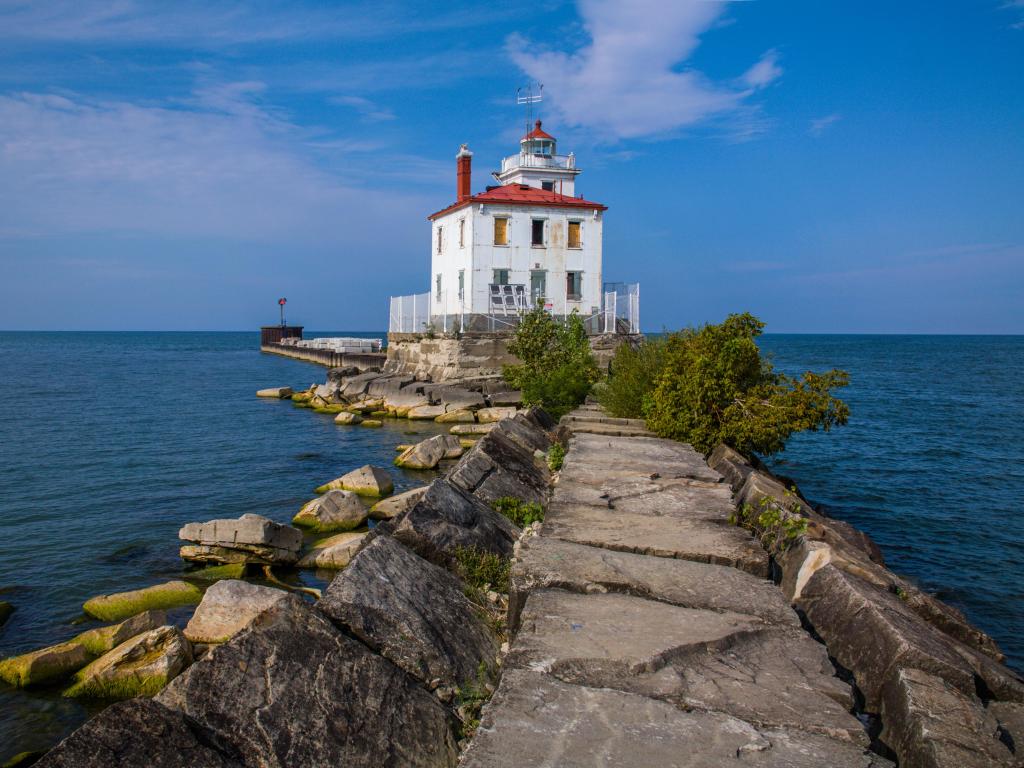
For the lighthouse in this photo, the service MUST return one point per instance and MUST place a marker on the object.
(527, 240)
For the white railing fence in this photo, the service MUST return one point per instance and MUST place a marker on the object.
(619, 313)
(409, 314)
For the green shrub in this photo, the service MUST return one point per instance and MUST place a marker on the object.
(557, 368)
(522, 513)
(715, 387)
(634, 373)
(479, 568)
(556, 456)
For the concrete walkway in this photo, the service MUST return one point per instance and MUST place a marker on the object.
(646, 632)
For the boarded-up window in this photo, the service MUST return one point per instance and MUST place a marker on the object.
(574, 234)
(500, 231)
(438, 281)
(574, 286)
(440, 232)
(462, 284)
(462, 233)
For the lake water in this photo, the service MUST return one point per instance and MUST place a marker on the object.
(109, 442)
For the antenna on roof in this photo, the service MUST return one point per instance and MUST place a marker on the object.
(526, 97)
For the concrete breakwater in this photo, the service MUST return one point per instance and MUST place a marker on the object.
(644, 628)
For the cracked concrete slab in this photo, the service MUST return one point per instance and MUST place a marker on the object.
(535, 720)
(695, 659)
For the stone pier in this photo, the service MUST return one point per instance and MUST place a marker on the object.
(646, 631)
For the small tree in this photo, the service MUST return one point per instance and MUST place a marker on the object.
(634, 372)
(714, 387)
(557, 367)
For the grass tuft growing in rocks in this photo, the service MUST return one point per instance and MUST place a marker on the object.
(522, 513)
(482, 570)
(556, 455)
(470, 699)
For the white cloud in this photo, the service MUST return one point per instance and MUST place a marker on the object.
(198, 23)
(218, 165)
(819, 124)
(765, 71)
(369, 110)
(628, 81)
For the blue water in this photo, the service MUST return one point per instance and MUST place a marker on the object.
(931, 464)
(109, 442)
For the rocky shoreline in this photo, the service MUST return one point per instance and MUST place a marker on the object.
(713, 565)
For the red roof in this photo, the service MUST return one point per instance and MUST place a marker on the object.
(537, 133)
(521, 194)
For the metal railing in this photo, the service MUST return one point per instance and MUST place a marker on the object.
(528, 160)
(619, 312)
(409, 314)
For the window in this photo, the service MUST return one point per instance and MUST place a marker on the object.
(462, 233)
(462, 284)
(538, 232)
(538, 284)
(500, 231)
(438, 289)
(574, 234)
(440, 231)
(573, 286)
(500, 277)
(548, 185)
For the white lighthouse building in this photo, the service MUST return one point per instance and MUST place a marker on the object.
(528, 239)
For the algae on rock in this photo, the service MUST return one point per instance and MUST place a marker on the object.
(141, 666)
(44, 665)
(121, 605)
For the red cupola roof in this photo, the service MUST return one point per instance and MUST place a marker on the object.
(537, 133)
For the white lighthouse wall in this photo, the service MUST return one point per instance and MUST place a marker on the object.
(478, 256)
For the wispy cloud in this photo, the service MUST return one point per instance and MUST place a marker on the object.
(820, 124)
(1017, 6)
(369, 110)
(197, 23)
(216, 165)
(630, 80)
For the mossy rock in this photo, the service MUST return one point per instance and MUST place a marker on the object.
(6, 609)
(121, 605)
(217, 572)
(44, 665)
(301, 397)
(372, 423)
(403, 447)
(329, 408)
(379, 414)
(300, 403)
(103, 639)
(141, 666)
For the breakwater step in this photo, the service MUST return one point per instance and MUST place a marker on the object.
(645, 631)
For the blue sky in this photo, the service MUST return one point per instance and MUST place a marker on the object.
(831, 167)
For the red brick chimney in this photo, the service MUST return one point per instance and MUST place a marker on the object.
(464, 172)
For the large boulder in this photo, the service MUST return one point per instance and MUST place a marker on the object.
(347, 417)
(458, 416)
(141, 733)
(259, 537)
(731, 465)
(6, 609)
(393, 506)
(930, 724)
(413, 613)
(425, 454)
(102, 639)
(334, 511)
(121, 605)
(873, 634)
(227, 608)
(472, 429)
(138, 667)
(278, 393)
(495, 413)
(366, 481)
(498, 466)
(507, 399)
(294, 691)
(425, 412)
(334, 551)
(448, 517)
(44, 665)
